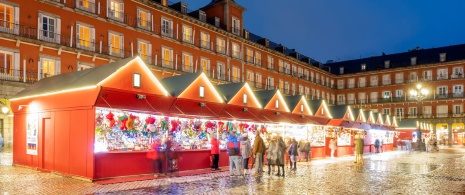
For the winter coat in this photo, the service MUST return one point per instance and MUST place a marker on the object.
(246, 149)
(307, 147)
(281, 149)
(215, 146)
(272, 154)
(293, 149)
(377, 143)
(233, 146)
(258, 145)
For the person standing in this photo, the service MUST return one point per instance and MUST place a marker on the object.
(332, 146)
(246, 152)
(281, 146)
(377, 145)
(307, 150)
(233, 153)
(215, 152)
(272, 155)
(293, 153)
(257, 152)
(381, 144)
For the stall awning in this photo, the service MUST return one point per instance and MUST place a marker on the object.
(234, 112)
(118, 99)
(193, 108)
(359, 125)
(303, 119)
(274, 116)
(340, 123)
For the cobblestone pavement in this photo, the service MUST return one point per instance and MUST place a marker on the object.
(385, 173)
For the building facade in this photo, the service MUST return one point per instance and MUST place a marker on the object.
(48, 37)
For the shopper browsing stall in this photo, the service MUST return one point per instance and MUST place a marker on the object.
(246, 152)
(215, 152)
(258, 149)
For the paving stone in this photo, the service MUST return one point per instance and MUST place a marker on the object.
(385, 173)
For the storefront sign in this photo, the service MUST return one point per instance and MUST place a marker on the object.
(31, 134)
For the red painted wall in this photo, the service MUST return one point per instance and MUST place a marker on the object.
(318, 152)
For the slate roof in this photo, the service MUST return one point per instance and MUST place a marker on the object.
(407, 124)
(73, 80)
(228, 91)
(292, 101)
(175, 85)
(315, 104)
(399, 60)
(338, 111)
(265, 96)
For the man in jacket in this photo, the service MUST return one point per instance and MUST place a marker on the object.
(215, 152)
(233, 153)
(257, 152)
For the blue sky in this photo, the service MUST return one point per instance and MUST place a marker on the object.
(349, 29)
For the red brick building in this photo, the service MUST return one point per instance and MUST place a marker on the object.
(49, 37)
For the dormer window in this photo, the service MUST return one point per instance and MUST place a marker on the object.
(341, 70)
(387, 64)
(442, 57)
(276, 104)
(202, 16)
(413, 61)
(217, 22)
(184, 8)
(364, 67)
(301, 108)
(236, 26)
(244, 98)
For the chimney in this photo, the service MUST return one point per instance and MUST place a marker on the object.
(295, 54)
(281, 49)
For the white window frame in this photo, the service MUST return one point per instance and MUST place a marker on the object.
(270, 62)
(207, 61)
(45, 59)
(374, 81)
(164, 58)
(147, 58)
(10, 27)
(49, 35)
(120, 49)
(83, 66)
(88, 44)
(386, 79)
(399, 78)
(350, 83)
(362, 82)
(144, 24)
(236, 26)
(115, 10)
(166, 27)
(340, 84)
(189, 63)
(236, 50)
(205, 40)
(11, 71)
(220, 45)
(187, 34)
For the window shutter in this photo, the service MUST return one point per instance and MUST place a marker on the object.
(121, 46)
(39, 68)
(16, 64)
(16, 20)
(109, 44)
(57, 67)
(78, 44)
(139, 22)
(149, 52)
(58, 30)
(109, 8)
(92, 39)
(39, 26)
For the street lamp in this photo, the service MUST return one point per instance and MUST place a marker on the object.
(419, 94)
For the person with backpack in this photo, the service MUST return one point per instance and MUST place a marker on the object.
(377, 143)
(233, 153)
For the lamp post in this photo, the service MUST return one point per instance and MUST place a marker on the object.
(419, 94)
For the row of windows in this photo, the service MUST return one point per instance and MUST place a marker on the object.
(387, 63)
(427, 111)
(426, 75)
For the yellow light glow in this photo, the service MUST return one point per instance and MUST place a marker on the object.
(380, 116)
(282, 100)
(394, 121)
(388, 120)
(351, 114)
(54, 93)
(145, 68)
(209, 84)
(306, 105)
(363, 116)
(326, 108)
(247, 87)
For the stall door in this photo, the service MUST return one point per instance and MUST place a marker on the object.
(47, 143)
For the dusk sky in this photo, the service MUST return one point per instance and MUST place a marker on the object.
(349, 29)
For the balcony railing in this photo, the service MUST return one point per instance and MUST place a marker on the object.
(205, 44)
(18, 75)
(86, 5)
(49, 36)
(220, 49)
(236, 55)
(9, 27)
(387, 82)
(457, 75)
(188, 67)
(144, 24)
(258, 62)
(187, 38)
(117, 15)
(270, 65)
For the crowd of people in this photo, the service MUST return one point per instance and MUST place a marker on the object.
(274, 151)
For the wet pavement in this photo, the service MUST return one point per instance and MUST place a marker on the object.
(394, 172)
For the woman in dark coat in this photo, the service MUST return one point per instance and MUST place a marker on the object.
(281, 150)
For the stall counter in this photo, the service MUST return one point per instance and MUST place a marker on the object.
(126, 163)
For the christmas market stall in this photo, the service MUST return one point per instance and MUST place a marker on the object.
(339, 128)
(90, 124)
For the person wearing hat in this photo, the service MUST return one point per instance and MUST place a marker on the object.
(246, 151)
